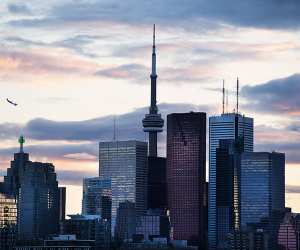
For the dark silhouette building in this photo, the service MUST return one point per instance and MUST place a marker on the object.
(38, 203)
(157, 183)
(62, 203)
(15, 173)
(186, 158)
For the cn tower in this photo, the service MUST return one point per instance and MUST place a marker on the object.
(153, 122)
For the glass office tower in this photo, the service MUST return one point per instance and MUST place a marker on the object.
(38, 203)
(262, 185)
(125, 163)
(228, 188)
(186, 157)
(225, 126)
(96, 197)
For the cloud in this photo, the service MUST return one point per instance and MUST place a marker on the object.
(68, 177)
(77, 43)
(291, 149)
(192, 14)
(42, 61)
(56, 151)
(279, 96)
(19, 8)
(292, 189)
(139, 74)
(126, 71)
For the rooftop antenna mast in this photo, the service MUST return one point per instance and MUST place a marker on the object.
(223, 101)
(115, 129)
(226, 100)
(237, 95)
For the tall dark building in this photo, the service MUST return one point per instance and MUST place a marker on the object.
(186, 153)
(153, 122)
(157, 183)
(38, 203)
(62, 203)
(227, 188)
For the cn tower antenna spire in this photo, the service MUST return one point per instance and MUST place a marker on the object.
(237, 95)
(153, 54)
(154, 35)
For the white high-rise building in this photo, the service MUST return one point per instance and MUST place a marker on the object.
(125, 163)
(225, 126)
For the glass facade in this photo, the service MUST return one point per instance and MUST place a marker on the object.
(225, 126)
(186, 157)
(96, 198)
(287, 233)
(125, 163)
(262, 185)
(38, 203)
(8, 222)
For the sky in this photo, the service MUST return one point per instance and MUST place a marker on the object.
(74, 66)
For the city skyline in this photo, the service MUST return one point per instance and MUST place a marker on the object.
(104, 72)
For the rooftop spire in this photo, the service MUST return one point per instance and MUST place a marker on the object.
(21, 141)
(223, 99)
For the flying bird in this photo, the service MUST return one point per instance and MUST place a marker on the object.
(12, 103)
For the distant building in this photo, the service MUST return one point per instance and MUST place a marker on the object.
(63, 242)
(226, 126)
(157, 183)
(186, 158)
(153, 226)
(62, 203)
(38, 203)
(96, 198)
(262, 185)
(8, 222)
(88, 227)
(287, 233)
(126, 221)
(125, 163)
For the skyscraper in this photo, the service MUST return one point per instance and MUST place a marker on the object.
(38, 203)
(262, 185)
(227, 186)
(96, 198)
(125, 163)
(153, 122)
(225, 126)
(186, 153)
